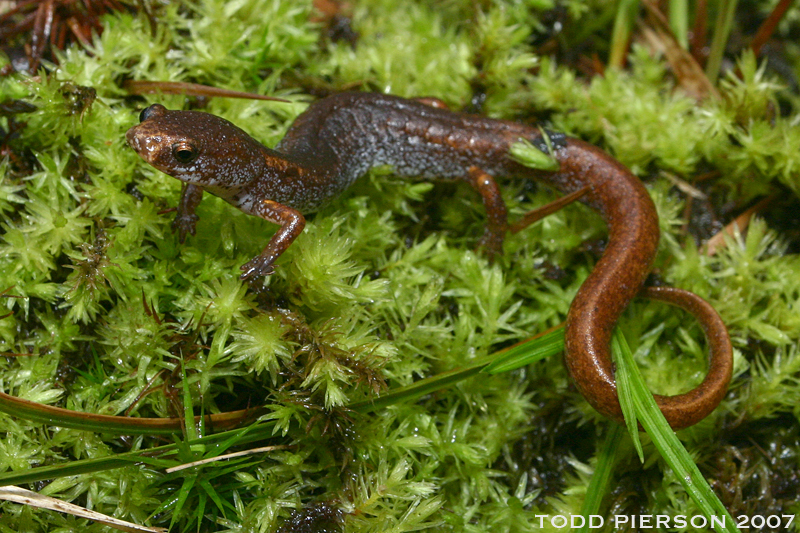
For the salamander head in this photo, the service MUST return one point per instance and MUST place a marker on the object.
(195, 147)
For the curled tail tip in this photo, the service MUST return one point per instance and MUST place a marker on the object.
(589, 364)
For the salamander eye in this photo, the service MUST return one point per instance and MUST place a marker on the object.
(150, 112)
(184, 152)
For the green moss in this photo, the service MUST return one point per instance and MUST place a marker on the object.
(388, 59)
(383, 288)
(655, 125)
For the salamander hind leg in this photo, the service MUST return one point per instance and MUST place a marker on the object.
(496, 214)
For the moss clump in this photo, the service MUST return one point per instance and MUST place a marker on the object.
(114, 316)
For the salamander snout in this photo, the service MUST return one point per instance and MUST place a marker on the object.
(157, 135)
(151, 112)
(151, 137)
(133, 140)
(136, 136)
(174, 141)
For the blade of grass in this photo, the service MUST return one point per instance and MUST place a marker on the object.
(623, 24)
(214, 495)
(534, 349)
(548, 344)
(540, 347)
(625, 392)
(664, 438)
(191, 430)
(607, 459)
(679, 21)
(256, 432)
(183, 496)
(199, 511)
(722, 30)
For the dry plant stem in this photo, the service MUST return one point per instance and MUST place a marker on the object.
(767, 27)
(690, 75)
(120, 425)
(738, 225)
(193, 89)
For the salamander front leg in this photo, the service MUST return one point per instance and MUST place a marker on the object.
(292, 223)
(496, 214)
(186, 220)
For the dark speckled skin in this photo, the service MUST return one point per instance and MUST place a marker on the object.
(339, 138)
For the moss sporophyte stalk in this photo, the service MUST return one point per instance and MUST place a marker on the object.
(370, 364)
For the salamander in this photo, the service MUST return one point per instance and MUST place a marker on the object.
(339, 138)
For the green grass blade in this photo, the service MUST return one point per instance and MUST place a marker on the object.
(607, 459)
(626, 389)
(623, 24)
(164, 506)
(214, 495)
(420, 388)
(533, 350)
(536, 349)
(256, 432)
(664, 438)
(679, 21)
(183, 496)
(722, 30)
(199, 511)
(188, 414)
